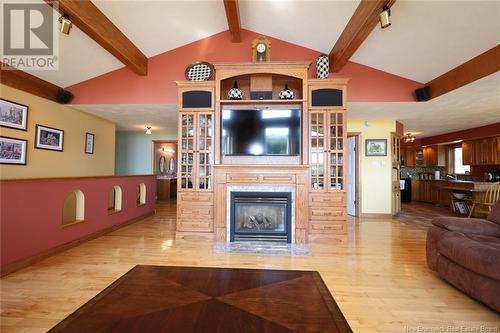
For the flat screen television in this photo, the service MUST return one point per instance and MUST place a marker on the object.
(261, 132)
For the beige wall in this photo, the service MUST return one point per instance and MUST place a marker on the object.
(375, 171)
(72, 161)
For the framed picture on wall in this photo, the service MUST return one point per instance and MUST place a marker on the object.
(376, 147)
(89, 143)
(13, 115)
(49, 138)
(12, 151)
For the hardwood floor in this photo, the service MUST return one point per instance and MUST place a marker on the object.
(377, 275)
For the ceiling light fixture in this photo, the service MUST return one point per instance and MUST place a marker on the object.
(148, 130)
(65, 24)
(385, 17)
(409, 138)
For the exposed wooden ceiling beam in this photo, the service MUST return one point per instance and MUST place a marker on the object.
(21, 80)
(483, 65)
(233, 19)
(88, 18)
(362, 22)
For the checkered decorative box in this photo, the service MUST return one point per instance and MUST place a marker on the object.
(235, 92)
(322, 66)
(286, 93)
(199, 71)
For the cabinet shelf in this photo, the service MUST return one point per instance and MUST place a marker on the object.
(261, 101)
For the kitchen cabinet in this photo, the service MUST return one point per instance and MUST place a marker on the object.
(485, 151)
(429, 191)
(408, 155)
(481, 152)
(430, 156)
(467, 152)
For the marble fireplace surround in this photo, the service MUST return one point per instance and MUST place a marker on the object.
(258, 188)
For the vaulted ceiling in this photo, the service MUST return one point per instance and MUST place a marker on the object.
(426, 39)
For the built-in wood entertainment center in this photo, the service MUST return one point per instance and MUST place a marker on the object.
(315, 178)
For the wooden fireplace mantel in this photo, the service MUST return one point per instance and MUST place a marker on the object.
(226, 175)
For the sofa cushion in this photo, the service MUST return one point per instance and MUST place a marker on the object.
(468, 226)
(494, 215)
(480, 254)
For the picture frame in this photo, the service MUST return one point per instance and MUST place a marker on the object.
(376, 147)
(12, 150)
(89, 143)
(13, 115)
(49, 138)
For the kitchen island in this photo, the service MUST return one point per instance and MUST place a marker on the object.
(441, 192)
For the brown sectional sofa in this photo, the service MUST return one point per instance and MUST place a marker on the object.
(466, 253)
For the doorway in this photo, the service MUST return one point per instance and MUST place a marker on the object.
(353, 198)
(164, 166)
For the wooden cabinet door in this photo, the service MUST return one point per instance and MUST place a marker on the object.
(430, 156)
(317, 142)
(187, 151)
(415, 190)
(204, 150)
(410, 157)
(497, 150)
(491, 154)
(336, 142)
(467, 153)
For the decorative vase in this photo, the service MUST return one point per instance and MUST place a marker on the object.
(235, 92)
(286, 93)
(322, 66)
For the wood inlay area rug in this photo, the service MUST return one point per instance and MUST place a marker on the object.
(198, 299)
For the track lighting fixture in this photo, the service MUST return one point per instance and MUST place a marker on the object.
(385, 18)
(65, 24)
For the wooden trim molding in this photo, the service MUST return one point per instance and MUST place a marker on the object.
(362, 22)
(69, 178)
(478, 67)
(88, 18)
(24, 81)
(23, 263)
(233, 19)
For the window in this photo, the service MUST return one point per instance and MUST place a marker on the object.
(73, 208)
(458, 166)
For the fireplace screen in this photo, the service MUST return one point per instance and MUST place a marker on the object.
(260, 216)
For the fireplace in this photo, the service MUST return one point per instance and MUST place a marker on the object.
(261, 216)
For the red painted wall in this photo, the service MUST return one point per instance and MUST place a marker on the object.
(468, 134)
(32, 211)
(122, 86)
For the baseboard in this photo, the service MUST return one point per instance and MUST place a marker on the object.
(376, 216)
(23, 263)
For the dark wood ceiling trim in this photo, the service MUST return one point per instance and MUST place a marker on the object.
(21, 80)
(483, 65)
(233, 19)
(88, 18)
(362, 22)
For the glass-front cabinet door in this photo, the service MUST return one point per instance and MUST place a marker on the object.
(336, 144)
(187, 150)
(317, 148)
(205, 150)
